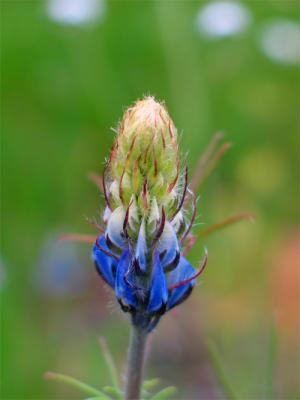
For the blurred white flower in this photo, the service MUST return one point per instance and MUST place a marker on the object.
(280, 41)
(222, 18)
(75, 12)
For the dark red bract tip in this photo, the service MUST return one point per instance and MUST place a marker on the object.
(183, 194)
(161, 226)
(193, 217)
(104, 188)
(126, 220)
(186, 281)
(108, 253)
(145, 189)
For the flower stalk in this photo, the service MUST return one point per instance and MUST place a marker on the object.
(136, 360)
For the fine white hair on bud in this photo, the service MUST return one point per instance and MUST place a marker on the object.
(147, 116)
(144, 166)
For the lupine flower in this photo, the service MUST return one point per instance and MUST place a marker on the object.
(150, 211)
(140, 253)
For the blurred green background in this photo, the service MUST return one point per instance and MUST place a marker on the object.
(67, 77)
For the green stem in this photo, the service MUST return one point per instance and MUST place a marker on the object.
(135, 364)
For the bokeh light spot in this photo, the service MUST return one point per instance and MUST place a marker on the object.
(223, 18)
(75, 12)
(280, 41)
(262, 171)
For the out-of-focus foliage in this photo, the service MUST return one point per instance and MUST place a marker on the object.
(66, 78)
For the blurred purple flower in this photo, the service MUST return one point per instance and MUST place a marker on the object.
(60, 270)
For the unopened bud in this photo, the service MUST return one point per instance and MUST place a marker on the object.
(144, 162)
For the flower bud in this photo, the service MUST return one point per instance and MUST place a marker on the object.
(144, 161)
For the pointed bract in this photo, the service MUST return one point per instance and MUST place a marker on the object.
(106, 266)
(183, 272)
(141, 249)
(158, 288)
(125, 292)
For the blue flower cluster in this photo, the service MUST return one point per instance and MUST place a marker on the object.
(147, 280)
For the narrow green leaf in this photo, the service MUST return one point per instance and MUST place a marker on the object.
(109, 362)
(150, 383)
(165, 393)
(220, 370)
(113, 392)
(146, 395)
(272, 353)
(102, 397)
(75, 383)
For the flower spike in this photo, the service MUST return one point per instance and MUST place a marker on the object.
(141, 245)
(139, 254)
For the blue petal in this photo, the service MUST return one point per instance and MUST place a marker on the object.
(106, 266)
(141, 248)
(183, 272)
(114, 228)
(158, 287)
(168, 247)
(125, 293)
